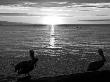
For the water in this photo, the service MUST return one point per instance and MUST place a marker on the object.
(41, 38)
(61, 49)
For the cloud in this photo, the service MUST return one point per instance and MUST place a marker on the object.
(87, 5)
(97, 20)
(16, 14)
(57, 3)
(35, 9)
(38, 4)
(102, 15)
(43, 4)
(6, 2)
(94, 5)
(65, 9)
(85, 10)
(64, 4)
(24, 14)
(12, 14)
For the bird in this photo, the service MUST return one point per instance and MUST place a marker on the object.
(25, 67)
(95, 66)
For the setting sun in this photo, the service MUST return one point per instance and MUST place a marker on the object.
(52, 20)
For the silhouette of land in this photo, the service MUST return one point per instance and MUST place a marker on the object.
(84, 77)
(87, 76)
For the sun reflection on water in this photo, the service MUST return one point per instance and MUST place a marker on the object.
(52, 37)
(52, 40)
(52, 30)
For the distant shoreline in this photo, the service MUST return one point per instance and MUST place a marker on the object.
(6, 23)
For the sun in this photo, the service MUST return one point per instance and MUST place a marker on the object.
(52, 20)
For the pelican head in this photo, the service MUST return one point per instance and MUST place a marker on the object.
(100, 52)
(32, 54)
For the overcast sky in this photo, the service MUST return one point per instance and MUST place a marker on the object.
(62, 11)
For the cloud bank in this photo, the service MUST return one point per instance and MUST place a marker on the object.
(69, 10)
(5, 2)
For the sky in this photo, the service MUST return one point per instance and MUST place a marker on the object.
(55, 11)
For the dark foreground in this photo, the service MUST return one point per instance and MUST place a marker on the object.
(87, 76)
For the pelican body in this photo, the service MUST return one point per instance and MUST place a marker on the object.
(25, 67)
(94, 66)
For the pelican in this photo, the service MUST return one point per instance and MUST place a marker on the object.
(94, 66)
(25, 67)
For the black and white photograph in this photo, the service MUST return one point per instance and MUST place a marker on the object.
(54, 40)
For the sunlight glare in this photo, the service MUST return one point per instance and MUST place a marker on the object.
(52, 42)
(52, 30)
(52, 20)
(52, 38)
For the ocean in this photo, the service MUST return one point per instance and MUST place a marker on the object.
(61, 49)
(67, 37)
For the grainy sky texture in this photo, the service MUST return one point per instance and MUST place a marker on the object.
(62, 11)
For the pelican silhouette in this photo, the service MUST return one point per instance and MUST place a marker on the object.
(94, 66)
(25, 67)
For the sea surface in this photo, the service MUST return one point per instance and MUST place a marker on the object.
(62, 47)
(51, 37)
